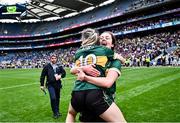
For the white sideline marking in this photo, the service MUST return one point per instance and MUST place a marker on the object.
(22, 85)
(132, 90)
(18, 86)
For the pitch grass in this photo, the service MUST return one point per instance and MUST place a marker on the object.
(143, 95)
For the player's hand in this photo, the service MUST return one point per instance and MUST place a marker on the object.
(90, 70)
(119, 57)
(81, 75)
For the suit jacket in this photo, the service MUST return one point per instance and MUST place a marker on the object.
(48, 72)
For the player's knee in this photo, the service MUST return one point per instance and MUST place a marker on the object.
(72, 112)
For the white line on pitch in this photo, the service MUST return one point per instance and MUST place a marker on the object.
(22, 85)
(17, 86)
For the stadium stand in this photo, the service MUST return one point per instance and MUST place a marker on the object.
(135, 49)
(28, 45)
(115, 9)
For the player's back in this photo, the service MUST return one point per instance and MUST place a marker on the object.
(98, 55)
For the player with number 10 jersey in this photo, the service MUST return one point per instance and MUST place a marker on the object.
(98, 55)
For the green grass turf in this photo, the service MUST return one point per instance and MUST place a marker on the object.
(143, 95)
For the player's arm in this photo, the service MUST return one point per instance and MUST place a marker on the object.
(119, 57)
(75, 70)
(106, 82)
(88, 69)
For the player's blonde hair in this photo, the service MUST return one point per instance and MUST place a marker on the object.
(89, 37)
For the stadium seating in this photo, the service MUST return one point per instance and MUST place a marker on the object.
(132, 46)
(46, 27)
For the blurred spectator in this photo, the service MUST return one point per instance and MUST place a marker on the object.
(137, 50)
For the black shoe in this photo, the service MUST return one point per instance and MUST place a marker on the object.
(56, 116)
(59, 114)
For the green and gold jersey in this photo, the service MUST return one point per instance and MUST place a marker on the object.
(98, 55)
(116, 66)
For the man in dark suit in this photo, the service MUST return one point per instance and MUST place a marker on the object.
(53, 73)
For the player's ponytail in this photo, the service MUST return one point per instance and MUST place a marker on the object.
(89, 37)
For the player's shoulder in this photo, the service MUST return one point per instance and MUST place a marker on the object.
(79, 50)
(116, 62)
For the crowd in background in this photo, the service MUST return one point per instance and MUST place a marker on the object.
(153, 49)
(37, 59)
(142, 50)
(142, 3)
(118, 7)
(114, 29)
(142, 24)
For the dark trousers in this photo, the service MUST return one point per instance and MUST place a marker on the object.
(54, 92)
(148, 64)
